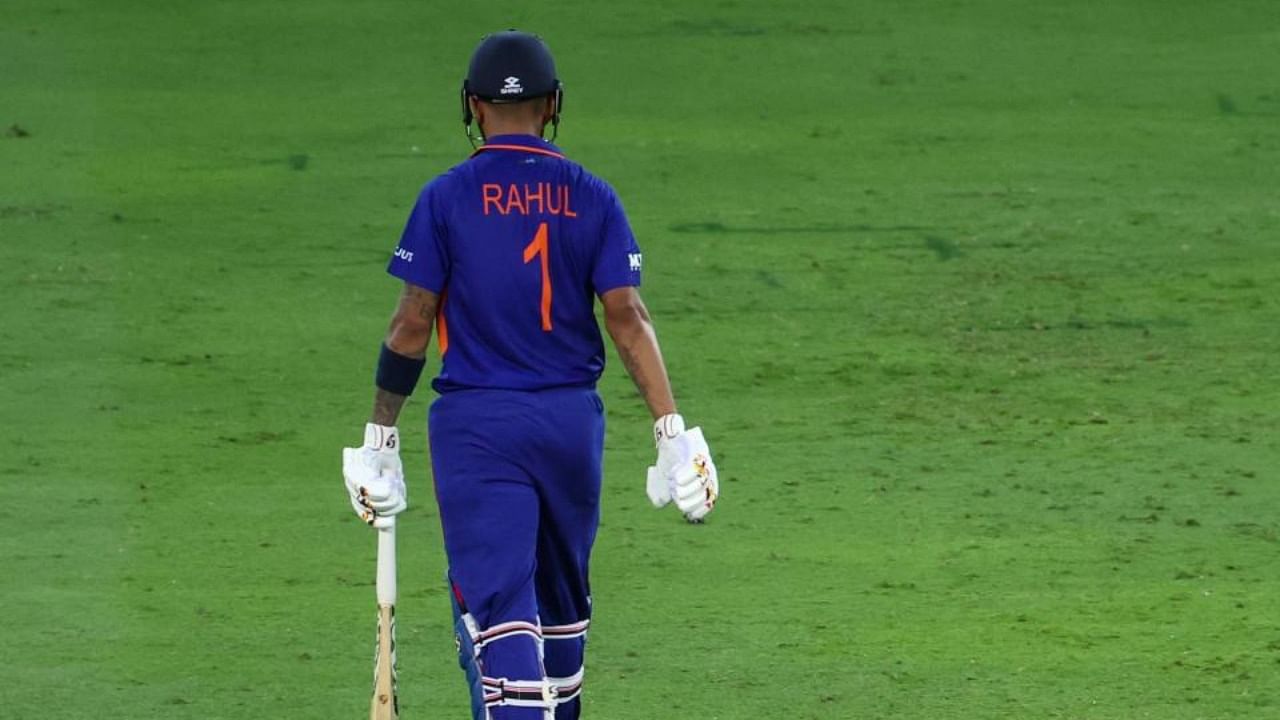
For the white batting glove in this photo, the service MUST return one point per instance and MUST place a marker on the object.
(684, 472)
(375, 477)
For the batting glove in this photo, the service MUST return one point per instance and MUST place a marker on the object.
(684, 472)
(374, 476)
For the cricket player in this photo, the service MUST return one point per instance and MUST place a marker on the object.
(504, 256)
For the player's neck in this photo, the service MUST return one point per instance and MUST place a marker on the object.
(494, 129)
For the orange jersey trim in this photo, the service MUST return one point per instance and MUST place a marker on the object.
(518, 148)
(442, 327)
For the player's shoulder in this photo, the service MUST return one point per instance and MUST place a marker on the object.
(591, 180)
(588, 181)
(444, 183)
(443, 190)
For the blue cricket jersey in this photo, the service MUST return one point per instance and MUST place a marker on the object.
(518, 241)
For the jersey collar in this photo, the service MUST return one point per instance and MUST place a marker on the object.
(519, 143)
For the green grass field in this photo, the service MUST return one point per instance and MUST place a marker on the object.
(976, 300)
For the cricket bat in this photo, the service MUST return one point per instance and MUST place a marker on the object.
(385, 705)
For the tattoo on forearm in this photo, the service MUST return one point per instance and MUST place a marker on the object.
(386, 407)
(640, 355)
(411, 325)
(425, 300)
(634, 369)
(409, 334)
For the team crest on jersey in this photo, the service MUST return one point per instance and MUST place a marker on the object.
(512, 87)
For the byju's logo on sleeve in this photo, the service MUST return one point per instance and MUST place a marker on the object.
(404, 255)
(512, 87)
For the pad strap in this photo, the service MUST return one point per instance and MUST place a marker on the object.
(568, 688)
(506, 630)
(519, 693)
(565, 632)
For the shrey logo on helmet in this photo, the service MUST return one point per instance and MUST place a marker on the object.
(512, 86)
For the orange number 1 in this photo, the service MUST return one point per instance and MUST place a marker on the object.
(533, 249)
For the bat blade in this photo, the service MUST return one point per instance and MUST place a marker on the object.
(385, 704)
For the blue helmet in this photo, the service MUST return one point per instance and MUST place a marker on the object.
(511, 66)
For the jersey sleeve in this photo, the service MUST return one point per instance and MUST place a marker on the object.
(422, 257)
(619, 261)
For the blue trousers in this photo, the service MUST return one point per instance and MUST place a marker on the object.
(517, 478)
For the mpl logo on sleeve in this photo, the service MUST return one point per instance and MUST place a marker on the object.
(512, 87)
(635, 260)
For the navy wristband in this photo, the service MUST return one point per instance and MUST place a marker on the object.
(397, 373)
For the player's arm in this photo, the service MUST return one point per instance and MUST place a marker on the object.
(373, 473)
(407, 340)
(627, 320)
(684, 471)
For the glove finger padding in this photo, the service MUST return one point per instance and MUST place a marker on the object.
(385, 496)
(374, 485)
(355, 473)
(657, 487)
(393, 505)
(686, 474)
(697, 487)
(362, 512)
(381, 522)
(697, 514)
(388, 505)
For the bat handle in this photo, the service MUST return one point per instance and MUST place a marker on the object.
(386, 582)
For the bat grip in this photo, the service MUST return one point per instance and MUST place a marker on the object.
(386, 580)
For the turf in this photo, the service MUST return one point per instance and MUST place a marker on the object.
(975, 300)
